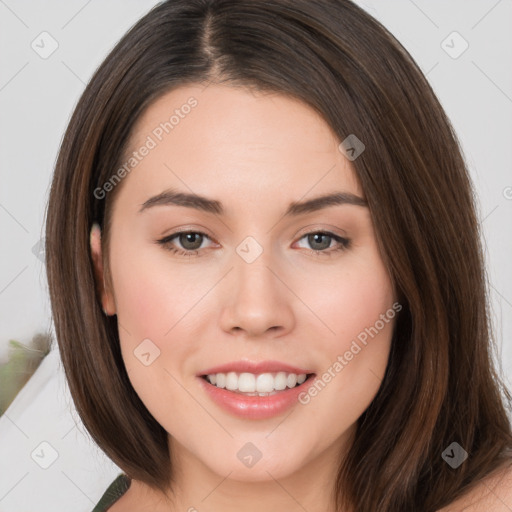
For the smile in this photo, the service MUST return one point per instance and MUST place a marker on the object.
(255, 396)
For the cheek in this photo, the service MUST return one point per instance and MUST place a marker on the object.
(153, 295)
(358, 306)
(349, 299)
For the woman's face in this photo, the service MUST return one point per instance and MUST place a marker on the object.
(255, 281)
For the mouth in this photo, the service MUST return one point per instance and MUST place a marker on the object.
(261, 385)
(255, 391)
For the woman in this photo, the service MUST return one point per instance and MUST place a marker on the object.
(265, 271)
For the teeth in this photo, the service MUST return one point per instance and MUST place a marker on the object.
(232, 381)
(291, 381)
(260, 384)
(265, 383)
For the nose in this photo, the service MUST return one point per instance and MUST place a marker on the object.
(258, 300)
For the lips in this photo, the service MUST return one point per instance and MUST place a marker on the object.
(254, 407)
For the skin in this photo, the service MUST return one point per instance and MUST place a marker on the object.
(492, 494)
(255, 153)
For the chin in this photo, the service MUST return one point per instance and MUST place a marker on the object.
(250, 464)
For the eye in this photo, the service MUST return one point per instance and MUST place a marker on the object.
(191, 242)
(321, 241)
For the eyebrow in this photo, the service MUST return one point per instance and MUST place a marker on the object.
(175, 198)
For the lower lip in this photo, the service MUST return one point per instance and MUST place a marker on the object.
(255, 407)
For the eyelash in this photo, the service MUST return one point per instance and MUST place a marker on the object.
(343, 243)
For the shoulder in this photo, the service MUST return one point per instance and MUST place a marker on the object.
(136, 497)
(116, 490)
(492, 494)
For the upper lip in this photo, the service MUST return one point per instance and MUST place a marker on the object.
(255, 367)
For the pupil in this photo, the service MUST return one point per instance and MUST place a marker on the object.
(312, 240)
(189, 238)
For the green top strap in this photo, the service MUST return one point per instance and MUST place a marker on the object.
(116, 489)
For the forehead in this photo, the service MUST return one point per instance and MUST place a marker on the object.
(250, 116)
(220, 139)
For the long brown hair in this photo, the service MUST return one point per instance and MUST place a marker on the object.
(440, 385)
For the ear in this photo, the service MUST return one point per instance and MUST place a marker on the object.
(107, 300)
